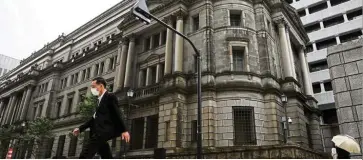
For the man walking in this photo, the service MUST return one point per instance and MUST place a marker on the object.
(105, 124)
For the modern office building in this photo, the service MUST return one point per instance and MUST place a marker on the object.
(7, 64)
(328, 23)
(252, 55)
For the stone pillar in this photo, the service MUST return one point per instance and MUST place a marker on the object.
(148, 76)
(322, 87)
(10, 109)
(314, 47)
(18, 114)
(168, 49)
(26, 103)
(305, 70)
(1, 110)
(179, 45)
(80, 76)
(345, 17)
(307, 11)
(129, 62)
(120, 77)
(285, 51)
(141, 78)
(291, 53)
(107, 64)
(93, 71)
(315, 132)
(338, 39)
(157, 73)
(329, 4)
(321, 25)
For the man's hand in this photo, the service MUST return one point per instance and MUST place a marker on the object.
(76, 132)
(125, 136)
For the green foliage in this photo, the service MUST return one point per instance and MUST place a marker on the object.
(5, 133)
(88, 106)
(40, 128)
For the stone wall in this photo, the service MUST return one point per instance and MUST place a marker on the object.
(346, 70)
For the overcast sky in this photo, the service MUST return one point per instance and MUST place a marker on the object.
(26, 25)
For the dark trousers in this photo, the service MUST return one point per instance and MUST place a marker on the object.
(96, 144)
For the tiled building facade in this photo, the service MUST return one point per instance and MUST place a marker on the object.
(252, 53)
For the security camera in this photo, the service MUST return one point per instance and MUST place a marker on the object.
(289, 120)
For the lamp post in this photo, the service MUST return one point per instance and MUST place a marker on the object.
(130, 94)
(141, 12)
(286, 119)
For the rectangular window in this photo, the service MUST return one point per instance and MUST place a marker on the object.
(48, 152)
(333, 21)
(156, 40)
(318, 66)
(147, 44)
(110, 87)
(61, 84)
(161, 75)
(97, 68)
(336, 2)
(65, 82)
(60, 146)
(318, 7)
(235, 18)
(350, 36)
(153, 75)
(326, 43)
(46, 87)
(35, 111)
(40, 110)
(83, 76)
(309, 48)
(244, 126)
(330, 116)
(76, 78)
(69, 105)
(328, 86)
(163, 38)
(238, 54)
(167, 130)
(316, 88)
(72, 79)
(138, 133)
(88, 75)
(151, 140)
(302, 13)
(194, 131)
(102, 66)
(58, 109)
(72, 146)
(111, 65)
(195, 22)
(355, 14)
(312, 27)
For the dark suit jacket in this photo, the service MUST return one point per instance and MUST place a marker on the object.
(108, 123)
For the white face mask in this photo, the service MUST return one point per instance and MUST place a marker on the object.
(95, 92)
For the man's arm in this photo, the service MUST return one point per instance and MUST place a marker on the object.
(114, 108)
(86, 125)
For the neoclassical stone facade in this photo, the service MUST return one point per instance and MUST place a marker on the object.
(252, 53)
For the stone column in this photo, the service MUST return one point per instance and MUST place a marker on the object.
(80, 76)
(120, 77)
(307, 11)
(321, 25)
(291, 53)
(314, 47)
(345, 17)
(1, 109)
(168, 49)
(129, 62)
(316, 139)
(148, 76)
(141, 78)
(26, 103)
(328, 3)
(157, 73)
(93, 71)
(179, 45)
(305, 70)
(107, 64)
(337, 38)
(10, 109)
(18, 114)
(285, 50)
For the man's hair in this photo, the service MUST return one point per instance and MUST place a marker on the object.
(100, 80)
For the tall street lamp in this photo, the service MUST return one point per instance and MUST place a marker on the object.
(141, 12)
(130, 94)
(286, 119)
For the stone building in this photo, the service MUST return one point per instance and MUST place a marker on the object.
(252, 53)
(346, 69)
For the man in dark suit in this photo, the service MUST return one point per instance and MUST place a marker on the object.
(105, 124)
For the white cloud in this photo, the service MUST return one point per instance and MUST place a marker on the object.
(26, 25)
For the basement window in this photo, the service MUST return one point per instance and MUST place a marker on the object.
(312, 28)
(326, 43)
(318, 7)
(333, 21)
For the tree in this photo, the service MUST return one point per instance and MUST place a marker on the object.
(39, 132)
(5, 137)
(88, 107)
